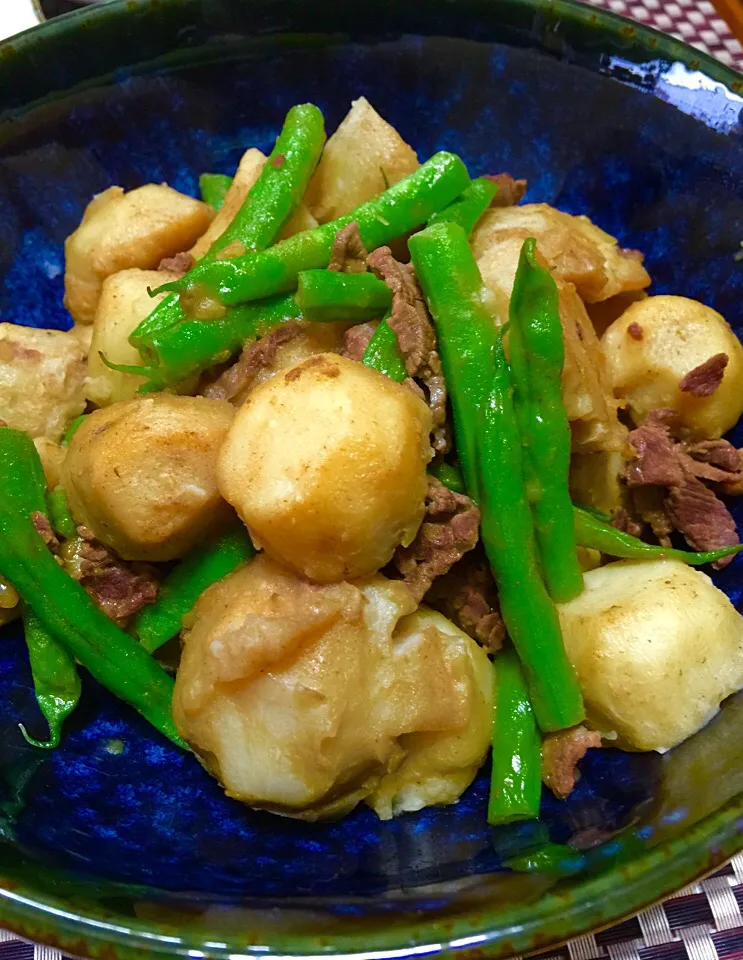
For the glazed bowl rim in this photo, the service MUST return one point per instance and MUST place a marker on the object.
(599, 900)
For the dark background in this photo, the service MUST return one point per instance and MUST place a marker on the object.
(54, 7)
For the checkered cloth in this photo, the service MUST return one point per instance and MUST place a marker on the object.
(703, 921)
(695, 21)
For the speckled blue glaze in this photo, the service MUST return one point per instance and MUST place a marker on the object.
(116, 801)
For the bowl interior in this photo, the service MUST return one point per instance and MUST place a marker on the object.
(121, 829)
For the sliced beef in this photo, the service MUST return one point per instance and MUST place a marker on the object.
(415, 335)
(561, 753)
(626, 522)
(649, 505)
(441, 440)
(703, 380)
(44, 529)
(510, 191)
(409, 318)
(356, 340)
(656, 461)
(449, 530)
(467, 596)
(180, 263)
(666, 478)
(349, 254)
(716, 460)
(703, 519)
(118, 588)
(255, 357)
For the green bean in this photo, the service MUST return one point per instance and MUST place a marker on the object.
(516, 780)
(383, 353)
(160, 621)
(59, 514)
(214, 187)
(466, 328)
(406, 205)
(270, 203)
(326, 296)
(192, 346)
(56, 680)
(166, 315)
(60, 603)
(537, 354)
(550, 858)
(70, 431)
(596, 534)
(56, 683)
(508, 537)
(450, 476)
(282, 183)
(467, 209)
(489, 447)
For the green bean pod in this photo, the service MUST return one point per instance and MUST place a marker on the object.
(596, 534)
(537, 354)
(61, 605)
(551, 858)
(508, 537)
(60, 517)
(166, 315)
(192, 346)
(72, 428)
(158, 622)
(403, 207)
(282, 183)
(490, 454)
(450, 476)
(467, 209)
(269, 205)
(214, 187)
(466, 328)
(325, 296)
(383, 353)
(56, 680)
(516, 779)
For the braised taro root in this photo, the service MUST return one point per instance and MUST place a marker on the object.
(122, 230)
(124, 302)
(306, 699)
(142, 474)
(42, 373)
(674, 353)
(657, 648)
(326, 464)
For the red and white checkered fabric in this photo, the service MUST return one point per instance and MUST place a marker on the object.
(695, 21)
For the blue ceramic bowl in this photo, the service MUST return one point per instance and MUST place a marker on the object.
(119, 845)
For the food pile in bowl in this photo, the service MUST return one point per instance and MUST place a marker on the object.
(387, 466)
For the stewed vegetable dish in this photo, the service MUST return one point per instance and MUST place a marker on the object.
(358, 471)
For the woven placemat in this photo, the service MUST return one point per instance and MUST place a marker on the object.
(702, 921)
